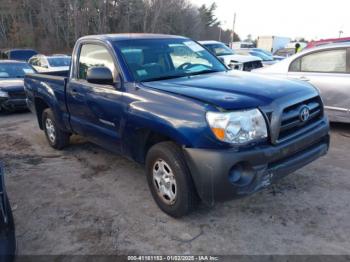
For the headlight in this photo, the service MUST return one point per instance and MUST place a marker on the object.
(236, 65)
(238, 127)
(3, 94)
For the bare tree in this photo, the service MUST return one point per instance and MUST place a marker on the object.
(54, 25)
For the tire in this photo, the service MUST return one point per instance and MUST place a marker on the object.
(168, 157)
(57, 138)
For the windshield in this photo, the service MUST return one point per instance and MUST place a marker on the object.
(59, 61)
(157, 59)
(13, 70)
(262, 51)
(219, 49)
(263, 56)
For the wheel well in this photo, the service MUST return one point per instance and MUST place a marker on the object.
(152, 139)
(40, 106)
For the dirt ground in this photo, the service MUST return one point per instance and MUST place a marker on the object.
(85, 200)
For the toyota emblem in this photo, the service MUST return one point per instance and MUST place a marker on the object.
(304, 114)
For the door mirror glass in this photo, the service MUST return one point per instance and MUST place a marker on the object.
(99, 75)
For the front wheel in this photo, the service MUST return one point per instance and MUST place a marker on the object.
(57, 138)
(169, 180)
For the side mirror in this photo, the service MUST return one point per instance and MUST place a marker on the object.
(100, 75)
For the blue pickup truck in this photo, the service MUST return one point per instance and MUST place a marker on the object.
(203, 132)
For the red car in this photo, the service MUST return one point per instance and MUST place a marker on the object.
(327, 41)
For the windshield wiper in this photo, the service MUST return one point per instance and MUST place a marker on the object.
(184, 75)
(163, 78)
(207, 71)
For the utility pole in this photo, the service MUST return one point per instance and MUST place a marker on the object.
(233, 29)
(340, 33)
(220, 32)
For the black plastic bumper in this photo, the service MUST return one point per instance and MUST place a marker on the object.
(225, 174)
(9, 104)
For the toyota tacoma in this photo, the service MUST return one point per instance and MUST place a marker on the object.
(202, 131)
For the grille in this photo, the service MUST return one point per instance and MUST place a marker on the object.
(248, 66)
(17, 94)
(291, 121)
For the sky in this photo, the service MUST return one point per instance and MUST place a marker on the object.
(310, 19)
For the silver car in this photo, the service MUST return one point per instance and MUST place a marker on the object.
(328, 69)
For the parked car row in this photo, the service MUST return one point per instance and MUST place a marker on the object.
(15, 63)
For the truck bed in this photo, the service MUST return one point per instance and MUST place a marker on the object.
(56, 73)
(50, 89)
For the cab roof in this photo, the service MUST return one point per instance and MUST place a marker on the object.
(130, 36)
(210, 42)
(6, 61)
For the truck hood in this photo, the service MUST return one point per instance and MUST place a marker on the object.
(11, 85)
(233, 89)
(240, 58)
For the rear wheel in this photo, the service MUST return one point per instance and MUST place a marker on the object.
(57, 138)
(169, 180)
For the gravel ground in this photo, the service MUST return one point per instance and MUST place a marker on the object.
(85, 200)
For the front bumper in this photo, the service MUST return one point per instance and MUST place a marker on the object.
(11, 104)
(225, 174)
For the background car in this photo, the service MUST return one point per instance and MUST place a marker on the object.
(267, 60)
(238, 45)
(18, 54)
(43, 63)
(285, 52)
(12, 95)
(328, 69)
(274, 57)
(327, 41)
(7, 226)
(232, 60)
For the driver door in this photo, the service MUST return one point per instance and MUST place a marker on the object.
(95, 109)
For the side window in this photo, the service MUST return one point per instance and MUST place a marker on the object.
(295, 65)
(92, 55)
(333, 61)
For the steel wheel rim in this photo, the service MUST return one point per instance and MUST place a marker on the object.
(164, 182)
(50, 130)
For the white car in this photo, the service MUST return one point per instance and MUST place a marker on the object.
(43, 63)
(232, 60)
